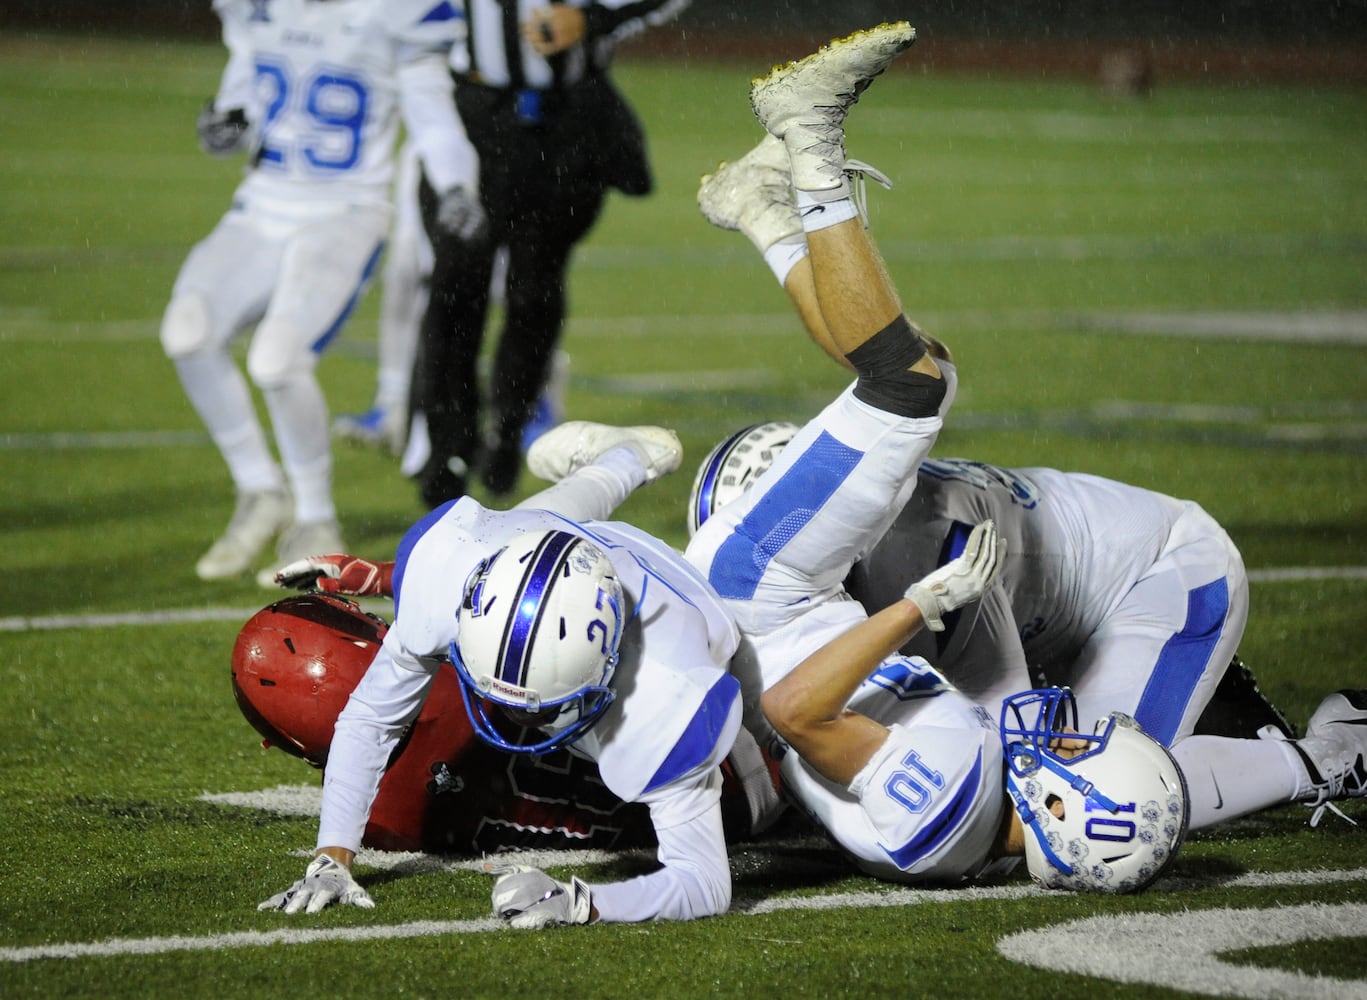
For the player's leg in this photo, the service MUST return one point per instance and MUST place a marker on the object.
(788, 543)
(1161, 651)
(323, 275)
(403, 299)
(224, 286)
(595, 467)
(547, 227)
(446, 392)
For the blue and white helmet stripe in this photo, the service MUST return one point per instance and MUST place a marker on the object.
(542, 567)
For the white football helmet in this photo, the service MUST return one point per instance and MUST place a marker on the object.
(539, 629)
(1123, 800)
(732, 467)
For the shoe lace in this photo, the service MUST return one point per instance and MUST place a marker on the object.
(859, 174)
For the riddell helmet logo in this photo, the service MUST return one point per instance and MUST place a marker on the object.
(508, 691)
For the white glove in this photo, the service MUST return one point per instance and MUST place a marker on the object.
(961, 580)
(460, 213)
(529, 899)
(222, 133)
(325, 881)
(339, 574)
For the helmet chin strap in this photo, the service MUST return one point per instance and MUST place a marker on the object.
(1079, 784)
(1027, 815)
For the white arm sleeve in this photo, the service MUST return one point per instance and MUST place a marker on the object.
(389, 697)
(696, 878)
(429, 113)
(236, 87)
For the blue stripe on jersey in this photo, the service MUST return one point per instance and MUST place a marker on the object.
(784, 510)
(322, 342)
(410, 539)
(441, 12)
(699, 740)
(955, 542)
(1183, 662)
(542, 569)
(938, 830)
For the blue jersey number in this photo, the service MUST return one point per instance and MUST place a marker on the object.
(334, 104)
(914, 787)
(983, 476)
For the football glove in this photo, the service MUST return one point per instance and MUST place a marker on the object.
(529, 899)
(339, 574)
(326, 881)
(222, 133)
(960, 580)
(460, 214)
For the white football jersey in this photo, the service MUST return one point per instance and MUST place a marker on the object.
(928, 805)
(322, 84)
(674, 719)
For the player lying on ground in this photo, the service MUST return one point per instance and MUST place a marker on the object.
(575, 633)
(1135, 600)
(1093, 598)
(445, 791)
(908, 775)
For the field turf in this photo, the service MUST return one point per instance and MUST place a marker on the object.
(1167, 291)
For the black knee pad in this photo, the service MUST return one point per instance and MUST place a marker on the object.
(883, 361)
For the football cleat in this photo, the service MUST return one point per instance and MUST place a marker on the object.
(575, 444)
(1334, 751)
(753, 195)
(805, 103)
(306, 538)
(378, 427)
(258, 517)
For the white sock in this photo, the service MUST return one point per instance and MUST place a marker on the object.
(595, 491)
(1228, 778)
(819, 213)
(299, 414)
(785, 255)
(219, 394)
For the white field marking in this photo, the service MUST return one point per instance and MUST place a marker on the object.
(183, 616)
(1181, 950)
(114, 947)
(190, 616)
(1292, 326)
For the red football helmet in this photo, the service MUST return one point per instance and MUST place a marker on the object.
(295, 664)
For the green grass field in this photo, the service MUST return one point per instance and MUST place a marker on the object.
(1169, 292)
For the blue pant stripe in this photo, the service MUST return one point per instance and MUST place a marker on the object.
(1183, 662)
(785, 509)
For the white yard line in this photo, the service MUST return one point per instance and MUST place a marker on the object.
(115, 947)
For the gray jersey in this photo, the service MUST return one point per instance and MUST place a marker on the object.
(1135, 599)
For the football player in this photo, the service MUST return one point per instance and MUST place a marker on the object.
(444, 791)
(908, 775)
(564, 633)
(312, 94)
(1133, 599)
(1097, 596)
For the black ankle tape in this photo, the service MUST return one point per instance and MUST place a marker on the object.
(883, 361)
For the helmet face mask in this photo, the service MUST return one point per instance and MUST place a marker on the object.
(1102, 812)
(540, 627)
(732, 467)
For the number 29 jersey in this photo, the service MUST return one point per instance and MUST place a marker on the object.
(321, 84)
